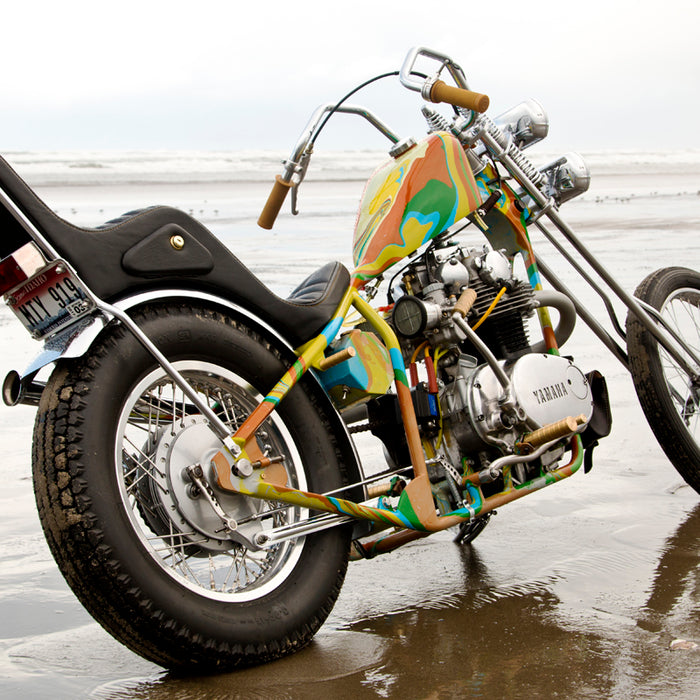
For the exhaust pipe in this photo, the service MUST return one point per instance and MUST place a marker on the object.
(16, 390)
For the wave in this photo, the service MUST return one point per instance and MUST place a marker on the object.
(133, 167)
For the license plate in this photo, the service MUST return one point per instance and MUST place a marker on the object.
(49, 301)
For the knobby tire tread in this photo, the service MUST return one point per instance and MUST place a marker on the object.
(649, 382)
(77, 539)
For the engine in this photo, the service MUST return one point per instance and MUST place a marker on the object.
(543, 390)
(476, 393)
(431, 287)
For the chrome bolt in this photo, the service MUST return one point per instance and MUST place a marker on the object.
(242, 468)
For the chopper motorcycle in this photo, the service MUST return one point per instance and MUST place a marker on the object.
(194, 456)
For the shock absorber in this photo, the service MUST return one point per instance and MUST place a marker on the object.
(436, 122)
(512, 150)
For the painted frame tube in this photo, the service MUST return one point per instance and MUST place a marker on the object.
(416, 508)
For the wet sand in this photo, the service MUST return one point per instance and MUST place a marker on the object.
(577, 591)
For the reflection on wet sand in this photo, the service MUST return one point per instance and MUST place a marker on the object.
(675, 591)
(489, 638)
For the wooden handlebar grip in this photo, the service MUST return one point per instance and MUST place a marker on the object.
(459, 97)
(274, 202)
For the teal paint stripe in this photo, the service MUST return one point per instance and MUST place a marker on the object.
(332, 328)
(398, 365)
(378, 511)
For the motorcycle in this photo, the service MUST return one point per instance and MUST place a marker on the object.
(194, 451)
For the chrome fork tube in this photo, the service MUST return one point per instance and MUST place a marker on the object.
(590, 320)
(661, 335)
(547, 208)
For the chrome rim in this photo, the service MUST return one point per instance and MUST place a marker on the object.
(160, 433)
(682, 312)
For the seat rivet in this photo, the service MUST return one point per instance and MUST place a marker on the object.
(177, 242)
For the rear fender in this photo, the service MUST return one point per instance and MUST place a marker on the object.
(76, 341)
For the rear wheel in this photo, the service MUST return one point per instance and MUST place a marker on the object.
(669, 397)
(143, 550)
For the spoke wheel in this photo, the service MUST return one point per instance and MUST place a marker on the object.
(162, 434)
(143, 549)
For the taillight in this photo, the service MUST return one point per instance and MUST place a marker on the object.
(20, 266)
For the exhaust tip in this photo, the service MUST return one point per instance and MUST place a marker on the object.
(12, 388)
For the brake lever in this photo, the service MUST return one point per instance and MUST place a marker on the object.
(295, 211)
(300, 175)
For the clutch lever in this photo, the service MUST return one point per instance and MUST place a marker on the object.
(301, 174)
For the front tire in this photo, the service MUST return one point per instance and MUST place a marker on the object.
(669, 397)
(144, 554)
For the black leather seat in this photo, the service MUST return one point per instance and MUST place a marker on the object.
(134, 254)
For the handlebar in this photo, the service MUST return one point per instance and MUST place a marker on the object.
(432, 90)
(295, 166)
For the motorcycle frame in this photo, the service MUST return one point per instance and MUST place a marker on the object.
(416, 510)
(416, 513)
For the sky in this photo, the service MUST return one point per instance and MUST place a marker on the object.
(223, 75)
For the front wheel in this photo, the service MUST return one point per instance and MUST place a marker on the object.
(140, 546)
(669, 397)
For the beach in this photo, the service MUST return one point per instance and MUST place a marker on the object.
(577, 591)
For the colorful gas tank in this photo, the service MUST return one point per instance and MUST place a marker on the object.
(410, 200)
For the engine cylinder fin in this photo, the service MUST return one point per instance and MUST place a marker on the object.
(518, 299)
(504, 331)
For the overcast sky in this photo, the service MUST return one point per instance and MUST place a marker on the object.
(216, 74)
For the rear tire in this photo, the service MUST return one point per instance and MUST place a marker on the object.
(140, 551)
(668, 396)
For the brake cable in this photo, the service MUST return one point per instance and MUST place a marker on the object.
(343, 99)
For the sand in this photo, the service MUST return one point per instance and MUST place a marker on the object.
(577, 591)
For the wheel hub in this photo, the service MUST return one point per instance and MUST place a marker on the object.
(180, 445)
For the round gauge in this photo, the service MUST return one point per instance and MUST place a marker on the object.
(409, 316)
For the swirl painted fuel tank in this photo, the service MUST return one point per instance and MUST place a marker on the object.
(410, 200)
